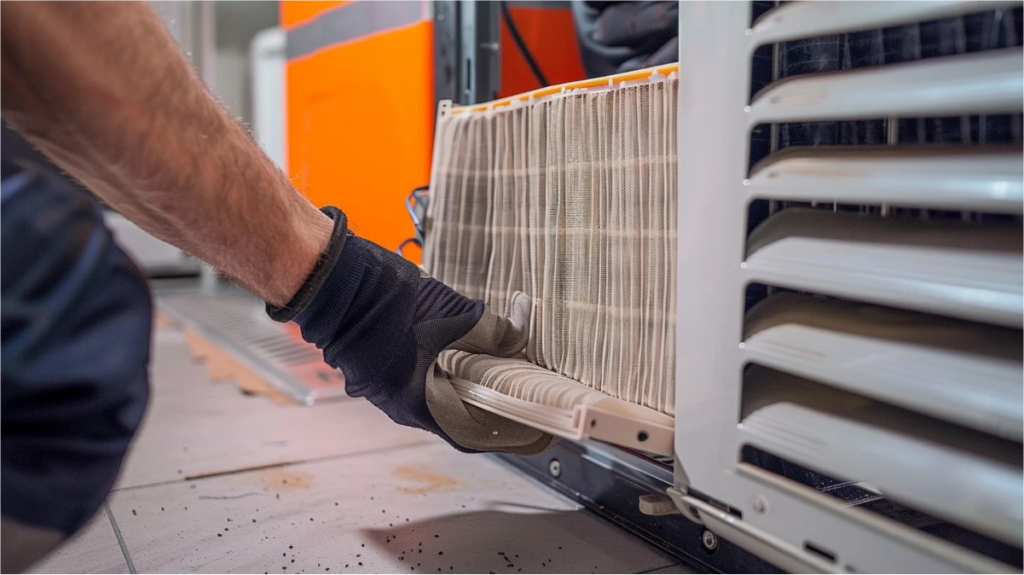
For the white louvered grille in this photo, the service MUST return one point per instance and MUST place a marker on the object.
(873, 230)
(849, 296)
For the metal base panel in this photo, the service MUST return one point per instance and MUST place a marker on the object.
(625, 488)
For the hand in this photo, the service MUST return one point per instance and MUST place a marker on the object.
(624, 36)
(383, 323)
(637, 24)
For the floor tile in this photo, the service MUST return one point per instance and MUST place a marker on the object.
(92, 550)
(195, 436)
(673, 569)
(425, 509)
(175, 374)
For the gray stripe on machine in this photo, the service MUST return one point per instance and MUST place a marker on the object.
(349, 22)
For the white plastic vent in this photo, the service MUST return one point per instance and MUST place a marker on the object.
(238, 324)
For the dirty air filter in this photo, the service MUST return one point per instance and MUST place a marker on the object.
(567, 194)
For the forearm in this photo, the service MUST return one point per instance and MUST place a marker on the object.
(102, 89)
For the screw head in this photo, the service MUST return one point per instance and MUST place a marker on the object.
(710, 540)
(555, 468)
(760, 504)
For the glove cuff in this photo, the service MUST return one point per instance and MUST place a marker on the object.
(320, 273)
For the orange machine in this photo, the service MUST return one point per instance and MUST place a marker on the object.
(548, 31)
(361, 105)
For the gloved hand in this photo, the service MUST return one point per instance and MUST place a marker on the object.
(383, 323)
(624, 36)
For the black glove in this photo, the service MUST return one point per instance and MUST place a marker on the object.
(383, 322)
(624, 36)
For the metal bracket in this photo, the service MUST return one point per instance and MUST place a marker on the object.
(765, 546)
(467, 49)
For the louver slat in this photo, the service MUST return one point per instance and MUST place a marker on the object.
(953, 269)
(965, 373)
(804, 19)
(962, 487)
(987, 83)
(989, 180)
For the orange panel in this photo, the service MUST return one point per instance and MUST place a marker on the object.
(550, 35)
(360, 114)
(360, 127)
(295, 12)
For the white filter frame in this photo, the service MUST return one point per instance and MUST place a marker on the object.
(606, 419)
(610, 420)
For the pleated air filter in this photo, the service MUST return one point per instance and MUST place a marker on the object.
(567, 194)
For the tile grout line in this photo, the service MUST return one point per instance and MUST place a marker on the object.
(338, 456)
(120, 540)
(676, 564)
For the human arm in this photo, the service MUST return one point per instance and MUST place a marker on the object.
(103, 90)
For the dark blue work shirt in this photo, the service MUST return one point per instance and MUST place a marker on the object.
(76, 322)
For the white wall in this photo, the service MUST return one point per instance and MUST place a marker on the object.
(267, 62)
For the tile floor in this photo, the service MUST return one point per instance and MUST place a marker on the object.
(221, 482)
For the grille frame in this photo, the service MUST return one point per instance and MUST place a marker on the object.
(770, 515)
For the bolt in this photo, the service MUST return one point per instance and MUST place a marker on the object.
(710, 540)
(760, 504)
(555, 468)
